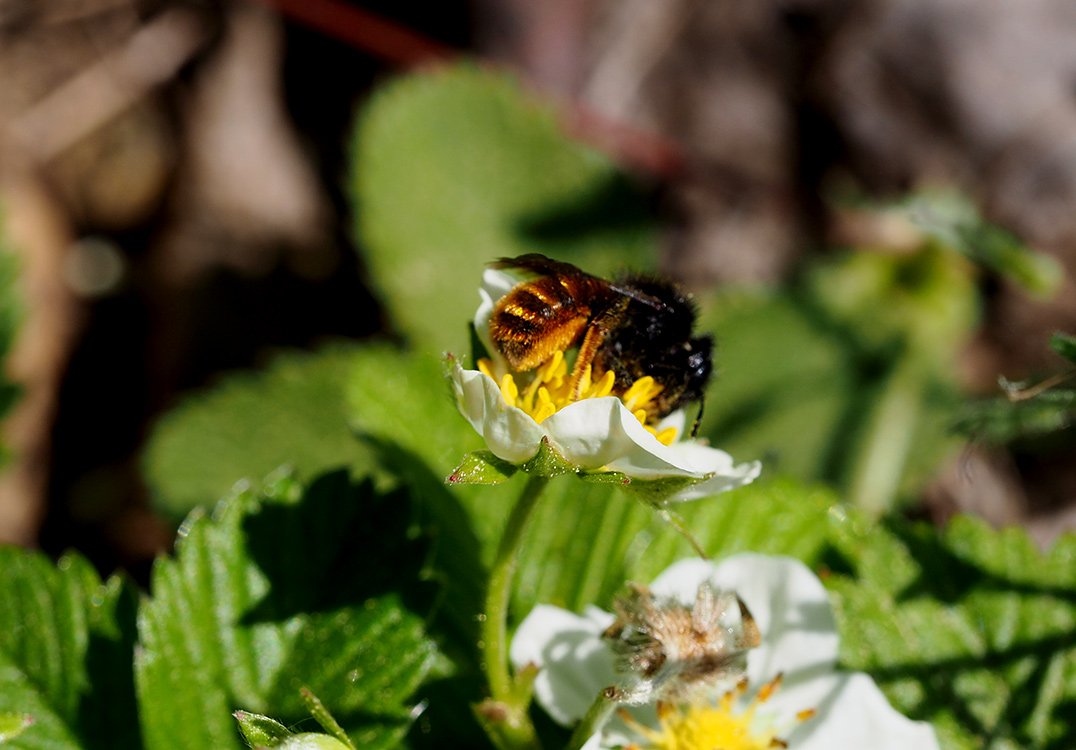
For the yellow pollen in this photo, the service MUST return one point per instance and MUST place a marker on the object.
(549, 390)
(722, 725)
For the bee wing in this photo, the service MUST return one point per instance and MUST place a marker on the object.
(639, 296)
(540, 265)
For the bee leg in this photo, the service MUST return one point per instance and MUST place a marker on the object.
(598, 329)
(587, 350)
(698, 417)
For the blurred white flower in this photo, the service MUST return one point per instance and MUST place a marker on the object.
(598, 433)
(798, 696)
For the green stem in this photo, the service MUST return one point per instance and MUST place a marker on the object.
(595, 718)
(516, 728)
(879, 464)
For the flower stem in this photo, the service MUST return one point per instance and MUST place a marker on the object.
(516, 730)
(595, 718)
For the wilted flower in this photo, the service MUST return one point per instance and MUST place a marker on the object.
(595, 434)
(801, 699)
(673, 651)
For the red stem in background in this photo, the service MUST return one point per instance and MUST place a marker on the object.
(644, 151)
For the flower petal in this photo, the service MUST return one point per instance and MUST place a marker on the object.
(495, 284)
(789, 604)
(851, 712)
(509, 432)
(575, 662)
(600, 433)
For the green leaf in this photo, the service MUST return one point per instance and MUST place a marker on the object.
(66, 644)
(12, 725)
(804, 392)
(291, 586)
(953, 220)
(1065, 345)
(969, 628)
(293, 413)
(458, 166)
(586, 540)
(11, 313)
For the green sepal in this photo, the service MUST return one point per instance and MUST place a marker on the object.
(12, 725)
(260, 731)
(478, 347)
(323, 717)
(655, 492)
(548, 462)
(481, 467)
(1065, 345)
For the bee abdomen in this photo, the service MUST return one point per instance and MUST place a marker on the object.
(536, 319)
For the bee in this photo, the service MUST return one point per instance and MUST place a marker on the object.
(636, 326)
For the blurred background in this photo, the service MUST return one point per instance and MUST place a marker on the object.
(873, 198)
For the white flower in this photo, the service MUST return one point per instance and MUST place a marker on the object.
(799, 641)
(597, 433)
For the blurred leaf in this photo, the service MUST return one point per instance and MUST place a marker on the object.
(292, 586)
(10, 318)
(293, 413)
(971, 629)
(921, 304)
(458, 166)
(1064, 345)
(999, 421)
(953, 220)
(66, 644)
(797, 389)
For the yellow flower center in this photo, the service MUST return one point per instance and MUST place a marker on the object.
(549, 391)
(723, 725)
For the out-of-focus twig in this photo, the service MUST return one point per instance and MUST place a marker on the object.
(364, 30)
(150, 57)
(648, 152)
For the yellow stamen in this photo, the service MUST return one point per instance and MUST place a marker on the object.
(706, 726)
(547, 391)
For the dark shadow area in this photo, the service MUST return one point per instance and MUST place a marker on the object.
(108, 712)
(948, 578)
(347, 544)
(615, 205)
(454, 561)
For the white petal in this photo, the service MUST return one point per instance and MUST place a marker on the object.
(735, 476)
(575, 663)
(600, 433)
(510, 433)
(853, 713)
(789, 603)
(495, 284)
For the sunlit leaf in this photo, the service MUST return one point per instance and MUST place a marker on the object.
(66, 645)
(289, 587)
(458, 166)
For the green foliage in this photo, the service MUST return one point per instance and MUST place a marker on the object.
(293, 413)
(969, 628)
(1064, 345)
(818, 396)
(285, 588)
(459, 166)
(10, 318)
(66, 644)
(1031, 415)
(953, 221)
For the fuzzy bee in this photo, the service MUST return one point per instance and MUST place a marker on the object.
(636, 326)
